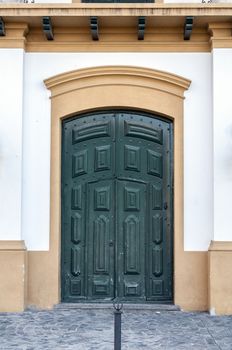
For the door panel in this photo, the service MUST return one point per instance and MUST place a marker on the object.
(140, 147)
(131, 214)
(100, 248)
(87, 155)
(117, 208)
(92, 147)
(146, 144)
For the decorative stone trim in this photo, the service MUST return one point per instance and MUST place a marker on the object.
(83, 78)
(120, 37)
(221, 35)
(222, 246)
(12, 245)
(15, 36)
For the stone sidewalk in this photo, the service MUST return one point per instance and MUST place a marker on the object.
(92, 329)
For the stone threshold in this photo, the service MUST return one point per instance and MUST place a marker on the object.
(126, 306)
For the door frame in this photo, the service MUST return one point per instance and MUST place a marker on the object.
(117, 87)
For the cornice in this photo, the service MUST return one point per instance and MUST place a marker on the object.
(12, 245)
(118, 39)
(117, 47)
(164, 32)
(220, 246)
(116, 9)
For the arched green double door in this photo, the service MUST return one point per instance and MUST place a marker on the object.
(117, 208)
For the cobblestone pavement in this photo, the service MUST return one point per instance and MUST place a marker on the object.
(93, 329)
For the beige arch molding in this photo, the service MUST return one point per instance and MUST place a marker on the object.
(114, 75)
(84, 90)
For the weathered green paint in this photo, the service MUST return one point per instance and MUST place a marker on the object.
(117, 208)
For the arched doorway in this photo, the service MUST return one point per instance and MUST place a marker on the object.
(117, 232)
(107, 88)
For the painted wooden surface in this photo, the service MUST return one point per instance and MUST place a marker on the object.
(117, 208)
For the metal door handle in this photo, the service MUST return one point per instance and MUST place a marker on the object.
(165, 206)
(111, 243)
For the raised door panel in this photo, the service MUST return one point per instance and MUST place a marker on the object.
(92, 145)
(131, 217)
(159, 249)
(140, 147)
(100, 240)
(73, 262)
(158, 261)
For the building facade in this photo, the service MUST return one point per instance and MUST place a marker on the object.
(116, 154)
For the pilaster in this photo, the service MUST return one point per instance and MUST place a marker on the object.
(11, 102)
(13, 276)
(219, 277)
(222, 140)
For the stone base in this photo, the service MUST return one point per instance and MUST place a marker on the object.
(109, 306)
(13, 283)
(220, 280)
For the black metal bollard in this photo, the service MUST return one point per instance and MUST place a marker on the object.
(117, 325)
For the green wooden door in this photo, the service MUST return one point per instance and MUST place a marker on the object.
(117, 208)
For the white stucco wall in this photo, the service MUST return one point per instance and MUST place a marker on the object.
(183, 1)
(35, 1)
(53, 1)
(222, 116)
(11, 112)
(197, 1)
(197, 128)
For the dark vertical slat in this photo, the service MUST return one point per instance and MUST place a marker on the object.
(188, 27)
(94, 28)
(141, 27)
(2, 27)
(47, 28)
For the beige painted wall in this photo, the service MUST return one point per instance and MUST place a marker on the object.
(220, 281)
(118, 87)
(13, 276)
(91, 89)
